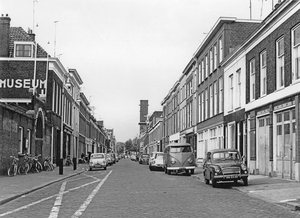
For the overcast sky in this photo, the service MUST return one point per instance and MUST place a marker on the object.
(126, 50)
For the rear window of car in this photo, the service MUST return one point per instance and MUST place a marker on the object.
(159, 156)
(145, 155)
(94, 156)
(181, 149)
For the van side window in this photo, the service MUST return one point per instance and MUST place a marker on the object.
(186, 149)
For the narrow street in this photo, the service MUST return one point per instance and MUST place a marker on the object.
(128, 189)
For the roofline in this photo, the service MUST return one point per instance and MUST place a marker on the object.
(217, 26)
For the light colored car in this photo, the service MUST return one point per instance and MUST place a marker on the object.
(156, 161)
(98, 161)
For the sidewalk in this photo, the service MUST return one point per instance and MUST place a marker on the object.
(16, 186)
(276, 190)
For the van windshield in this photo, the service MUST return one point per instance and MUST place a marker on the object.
(181, 149)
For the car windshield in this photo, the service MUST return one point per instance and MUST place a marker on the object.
(96, 156)
(225, 156)
(181, 149)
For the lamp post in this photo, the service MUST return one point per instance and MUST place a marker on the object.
(61, 161)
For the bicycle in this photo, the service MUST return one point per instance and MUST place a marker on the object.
(37, 166)
(13, 169)
(69, 161)
(24, 167)
(48, 166)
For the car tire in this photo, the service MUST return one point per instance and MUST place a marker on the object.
(104, 168)
(245, 180)
(168, 172)
(235, 182)
(165, 170)
(192, 171)
(90, 169)
(150, 168)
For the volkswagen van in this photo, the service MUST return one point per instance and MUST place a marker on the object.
(179, 157)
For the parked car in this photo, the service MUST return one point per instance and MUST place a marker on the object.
(156, 161)
(224, 165)
(144, 159)
(98, 161)
(133, 157)
(179, 157)
(113, 158)
(108, 159)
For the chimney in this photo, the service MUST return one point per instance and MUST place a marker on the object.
(31, 34)
(4, 35)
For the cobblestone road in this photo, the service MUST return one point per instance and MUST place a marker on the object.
(128, 189)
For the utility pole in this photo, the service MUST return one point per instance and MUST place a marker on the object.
(55, 22)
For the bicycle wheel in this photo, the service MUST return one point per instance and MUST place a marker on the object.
(23, 169)
(47, 166)
(39, 166)
(12, 170)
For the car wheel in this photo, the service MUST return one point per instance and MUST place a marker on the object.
(192, 171)
(165, 169)
(104, 168)
(245, 180)
(235, 182)
(168, 172)
(90, 169)
(150, 168)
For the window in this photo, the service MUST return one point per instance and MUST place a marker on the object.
(202, 106)
(231, 92)
(215, 56)
(211, 61)
(206, 65)
(296, 53)
(202, 70)
(199, 74)
(211, 101)
(28, 141)
(252, 79)
(280, 63)
(220, 94)
(263, 73)
(23, 50)
(215, 98)
(206, 104)
(238, 87)
(199, 108)
(220, 50)
(20, 139)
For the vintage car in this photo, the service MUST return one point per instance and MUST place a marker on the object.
(179, 157)
(156, 161)
(98, 161)
(224, 165)
(144, 159)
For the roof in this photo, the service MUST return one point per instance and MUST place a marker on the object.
(18, 34)
(222, 150)
(178, 144)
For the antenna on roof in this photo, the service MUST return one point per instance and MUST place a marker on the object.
(33, 15)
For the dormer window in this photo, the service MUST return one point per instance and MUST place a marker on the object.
(24, 49)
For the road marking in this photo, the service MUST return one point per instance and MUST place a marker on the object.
(57, 203)
(47, 198)
(82, 208)
(287, 200)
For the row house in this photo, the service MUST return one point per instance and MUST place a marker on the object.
(262, 94)
(227, 34)
(39, 100)
(154, 126)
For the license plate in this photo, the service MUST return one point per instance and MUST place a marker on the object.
(231, 176)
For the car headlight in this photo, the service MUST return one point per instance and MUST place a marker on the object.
(91, 163)
(190, 160)
(217, 169)
(173, 161)
(153, 162)
(244, 167)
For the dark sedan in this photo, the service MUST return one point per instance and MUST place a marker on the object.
(224, 165)
(144, 159)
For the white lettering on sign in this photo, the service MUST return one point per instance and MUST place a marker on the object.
(22, 83)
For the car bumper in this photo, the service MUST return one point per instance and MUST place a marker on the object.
(230, 177)
(97, 166)
(181, 168)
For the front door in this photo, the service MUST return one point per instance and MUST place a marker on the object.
(263, 145)
(285, 144)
